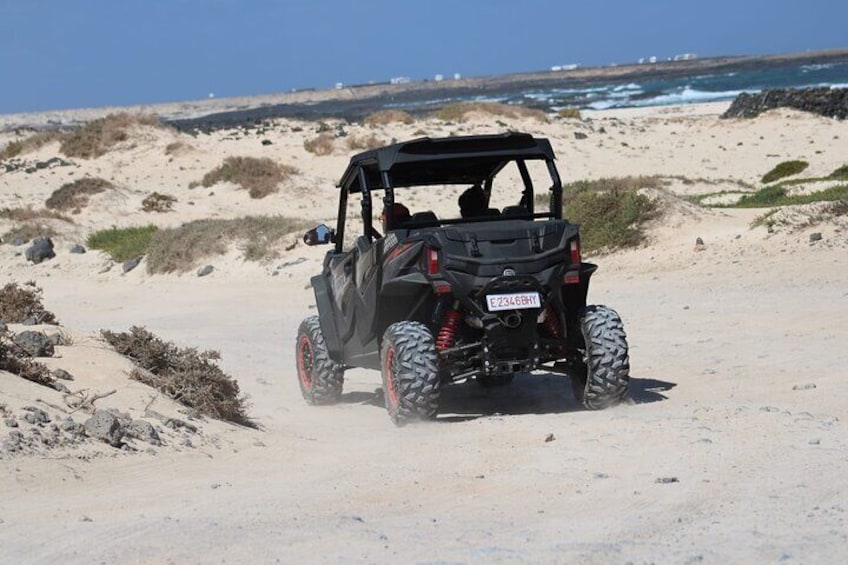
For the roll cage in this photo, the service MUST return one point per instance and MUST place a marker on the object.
(468, 160)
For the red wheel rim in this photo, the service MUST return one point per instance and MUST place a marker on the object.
(304, 362)
(388, 373)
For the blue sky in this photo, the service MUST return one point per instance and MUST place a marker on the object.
(57, 54)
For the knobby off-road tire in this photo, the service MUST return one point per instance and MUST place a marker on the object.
(606, 358)
(410, 369)
(321, 379)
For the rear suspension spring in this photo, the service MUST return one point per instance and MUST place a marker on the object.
(551, 323)
(447, 333)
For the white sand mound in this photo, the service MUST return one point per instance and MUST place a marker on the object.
(732, 449)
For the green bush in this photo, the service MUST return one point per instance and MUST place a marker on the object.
(783, 170)
(779, 196)
(768, 196)
(611, 212)
(123, 244)
(840, 173)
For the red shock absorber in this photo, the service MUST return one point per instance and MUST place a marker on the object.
(551, 323)
(447, 333)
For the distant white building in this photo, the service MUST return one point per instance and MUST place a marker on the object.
(439, 78)
(457, 76)
(645, 60)
(685, 57)
(339, 85)
(400, 80)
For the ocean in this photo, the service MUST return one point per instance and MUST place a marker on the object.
(711, 87)
(707, 80)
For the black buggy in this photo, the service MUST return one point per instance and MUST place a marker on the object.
(430, 301)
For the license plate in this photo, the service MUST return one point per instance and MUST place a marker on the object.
(513, 301)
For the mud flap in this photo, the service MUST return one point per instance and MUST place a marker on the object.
(326, 318)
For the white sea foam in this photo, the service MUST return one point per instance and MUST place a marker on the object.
(819, 67)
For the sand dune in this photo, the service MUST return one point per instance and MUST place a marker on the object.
(732, 447)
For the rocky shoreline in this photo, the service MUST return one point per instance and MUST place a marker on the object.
(827, 102)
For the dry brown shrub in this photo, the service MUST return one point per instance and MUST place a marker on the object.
(359, 143)
(259, 176)
(459, 111)
(176, 148)
(73, 196)
(386, 117)
(29, 230)
(187, 375)
(29, 214)
(19, 303)
(158, 202)
(323, 144)
(14, 360)
(28, 144)
(569, 113)
(97, 137)
(180, 249)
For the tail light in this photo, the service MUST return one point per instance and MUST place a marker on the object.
(432, 262)
(572, 275)
(431, 257)
(575, 252)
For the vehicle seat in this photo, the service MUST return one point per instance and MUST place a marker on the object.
(422, 220)
(515, 211)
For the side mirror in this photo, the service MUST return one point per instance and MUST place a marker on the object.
(319, 235)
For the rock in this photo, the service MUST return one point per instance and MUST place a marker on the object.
(77, 249)
(11, 422)
(203, 271)
(580, 135)
(144, 431)
(267, 142)
(807, 386)
(36, 416)
(71, 427)
(824, 101)
(40, 250)
(816, 236)
(60, 387)
(549, 438)
(35, 344)
(17, 242)
(14, 442)
(131, 264)
(62, 374)
(666, 480)
(3, 326)
(105, 426)
(699, 241)
(56, 338)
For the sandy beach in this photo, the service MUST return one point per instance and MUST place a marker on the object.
(731, 448)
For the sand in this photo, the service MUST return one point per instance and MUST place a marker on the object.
(731, 448)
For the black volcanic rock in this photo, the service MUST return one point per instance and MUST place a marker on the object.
(40, 250)
(828, 102)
